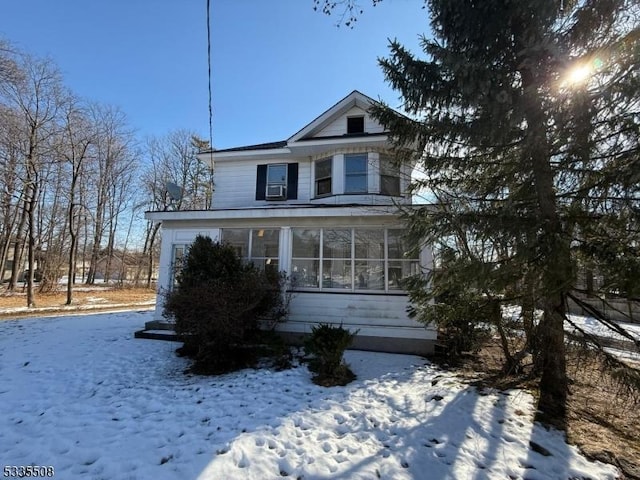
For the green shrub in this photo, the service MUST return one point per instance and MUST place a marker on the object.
(217, 305)
(327, 344)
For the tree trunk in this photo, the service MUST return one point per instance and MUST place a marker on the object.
(554, 251)
(152, 239)
(31, 245)
(18, 250)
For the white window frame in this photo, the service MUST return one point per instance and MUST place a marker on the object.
(255, 230)
(387, 166)
(277, 183)
(325, 178)
(173, 271)
(386, 260)
(364, 124)
(359, 174)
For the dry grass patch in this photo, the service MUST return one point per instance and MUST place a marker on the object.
(602, 418)
(82, 296)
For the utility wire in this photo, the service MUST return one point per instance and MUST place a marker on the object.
(209, 65)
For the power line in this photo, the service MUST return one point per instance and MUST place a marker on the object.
(209, 65)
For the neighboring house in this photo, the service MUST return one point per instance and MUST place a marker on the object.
(320, 206)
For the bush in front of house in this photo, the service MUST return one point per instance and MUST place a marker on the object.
(217, 304)
(326, 345)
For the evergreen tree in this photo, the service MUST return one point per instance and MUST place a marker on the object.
(526, 117)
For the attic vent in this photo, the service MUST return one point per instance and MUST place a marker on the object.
(355, 124)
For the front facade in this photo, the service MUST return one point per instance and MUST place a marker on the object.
(322, 207)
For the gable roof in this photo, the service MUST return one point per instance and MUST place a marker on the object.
(354, 99)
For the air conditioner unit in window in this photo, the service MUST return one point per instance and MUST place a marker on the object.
(275, 192)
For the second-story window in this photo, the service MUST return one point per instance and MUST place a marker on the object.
(276, 181)
(323, 177)
(389, 177)
(355, 173)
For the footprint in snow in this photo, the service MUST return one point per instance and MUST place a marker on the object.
(243, 461)
(339, 418)
(340, 458)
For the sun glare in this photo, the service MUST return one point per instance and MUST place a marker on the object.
(578, 75)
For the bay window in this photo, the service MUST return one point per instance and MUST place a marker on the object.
(355, 173)
(323, 177)
(389, 177)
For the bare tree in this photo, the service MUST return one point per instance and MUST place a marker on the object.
(110, 169)
(36, 96)
(75, 149)
(173, 158)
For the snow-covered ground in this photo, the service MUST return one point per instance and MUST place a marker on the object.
(79, 393)
(595, 327)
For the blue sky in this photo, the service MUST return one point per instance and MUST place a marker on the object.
(276, 64)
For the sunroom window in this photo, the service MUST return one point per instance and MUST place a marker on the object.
(336, 258)
(351, 259)
(355, 173)
(369, 259)
(259, 246)
(402, 259)
(265, 244)
(305, 261)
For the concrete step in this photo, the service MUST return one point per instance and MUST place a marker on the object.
(157, 334)
(159, 325)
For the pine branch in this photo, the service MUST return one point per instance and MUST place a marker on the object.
(603, 319)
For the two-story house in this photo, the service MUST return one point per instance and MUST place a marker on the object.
(322, 207)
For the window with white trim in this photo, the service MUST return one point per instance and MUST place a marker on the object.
(323, 177)
(305, 263)
(265, 245)
(369, 259)
(351, 259)
(389, 177)
(276, 181)
(259, 246)
(402, 259)
(177, 261)
(337, 266)
(355, 124)
(355, 173)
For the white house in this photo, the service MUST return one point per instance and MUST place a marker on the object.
(321, 206)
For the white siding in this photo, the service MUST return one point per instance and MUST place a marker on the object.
(235, 183)
(372, 315)
(171, 237)
(339, 125)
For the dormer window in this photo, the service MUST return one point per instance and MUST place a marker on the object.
(276, 182)
(355, 124)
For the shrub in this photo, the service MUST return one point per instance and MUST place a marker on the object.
(217, 305)
(463, 322)
(327, 344)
